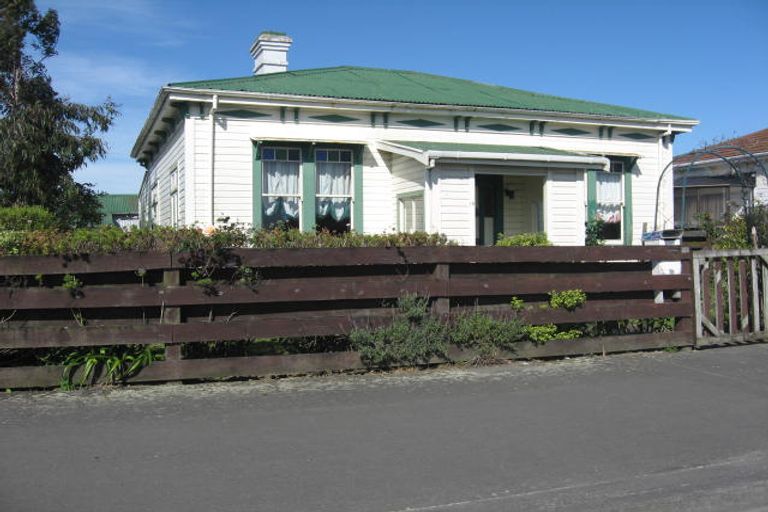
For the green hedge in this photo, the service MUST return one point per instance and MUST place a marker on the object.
(110, 239)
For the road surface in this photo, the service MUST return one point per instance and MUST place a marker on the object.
(644, 432)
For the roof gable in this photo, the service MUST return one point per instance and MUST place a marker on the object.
(358, 83)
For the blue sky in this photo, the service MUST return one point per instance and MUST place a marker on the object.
(703, 59)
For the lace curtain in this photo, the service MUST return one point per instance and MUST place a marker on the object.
(334, 179)
(280, 201)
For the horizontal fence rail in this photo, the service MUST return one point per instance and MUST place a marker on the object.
(159, 298)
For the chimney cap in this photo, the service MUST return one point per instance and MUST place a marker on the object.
(270, 52)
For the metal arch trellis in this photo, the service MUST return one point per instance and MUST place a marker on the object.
(696, 155)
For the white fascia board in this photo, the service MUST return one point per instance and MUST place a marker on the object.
(427, 156)
(309, 139)
(288, 100)
(523, 158)
(402, 150)
(254, 99)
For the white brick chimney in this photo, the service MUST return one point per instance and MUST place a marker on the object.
(270, 53)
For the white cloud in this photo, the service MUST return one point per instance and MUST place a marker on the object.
(144, 19)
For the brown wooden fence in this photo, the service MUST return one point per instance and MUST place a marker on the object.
(150, 298)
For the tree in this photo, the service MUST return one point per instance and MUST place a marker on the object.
(44, 137)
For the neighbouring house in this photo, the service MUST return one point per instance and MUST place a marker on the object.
(722, 180)
(121, 210)
(377, 150)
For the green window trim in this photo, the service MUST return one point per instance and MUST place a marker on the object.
(309, 183)
(629, 164)
(627, 214)
(357, 193)
(591, 194)
(256, 185)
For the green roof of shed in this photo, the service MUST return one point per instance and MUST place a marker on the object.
(112, 204)
(357, 83)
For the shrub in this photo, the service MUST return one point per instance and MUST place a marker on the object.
(486, 335)
(111, 239)
(567, 299)
(413, 337)
(541, 334)
(523, 240)
(593, 235)
(26, 218)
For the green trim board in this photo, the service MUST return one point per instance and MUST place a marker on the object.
(636, 136)
(335, 118)
(570, 131)
(420, 123)
(629, 164)
(591, 194)
(357, 194)
(242, 114)
(256, 184)
(499, 127)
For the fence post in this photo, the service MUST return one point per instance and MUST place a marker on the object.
(689, 295)
(172, 315)
(442, 304)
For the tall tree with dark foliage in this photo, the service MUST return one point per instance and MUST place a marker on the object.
(44, 137)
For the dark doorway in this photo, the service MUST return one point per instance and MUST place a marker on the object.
(489, 208)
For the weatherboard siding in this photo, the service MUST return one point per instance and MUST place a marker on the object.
(378, 215)
(565, 210)
(171, 156)
(451, 202)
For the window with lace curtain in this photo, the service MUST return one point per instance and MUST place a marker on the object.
(333, 203)
(281, 190)
(610, 200)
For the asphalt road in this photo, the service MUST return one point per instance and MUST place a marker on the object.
(638, 432)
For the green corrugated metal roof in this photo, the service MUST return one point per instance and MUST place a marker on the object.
(482, 148)
(112, 204)
(358, 83)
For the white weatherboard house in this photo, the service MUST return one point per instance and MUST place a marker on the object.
(377, 150)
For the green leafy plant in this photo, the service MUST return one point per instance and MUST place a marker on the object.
(83, 365)
(26, 218)
(73, 284)
(486, 335)
(567, 299)
(413, 337)
(516, 304)
(541, 334)
(523, 240)
(593, 234)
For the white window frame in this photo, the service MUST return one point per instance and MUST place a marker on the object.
(153, 200)
(300, 195)
(406, 202)
(173, 179)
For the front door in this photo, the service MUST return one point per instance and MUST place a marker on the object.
(489, 208)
